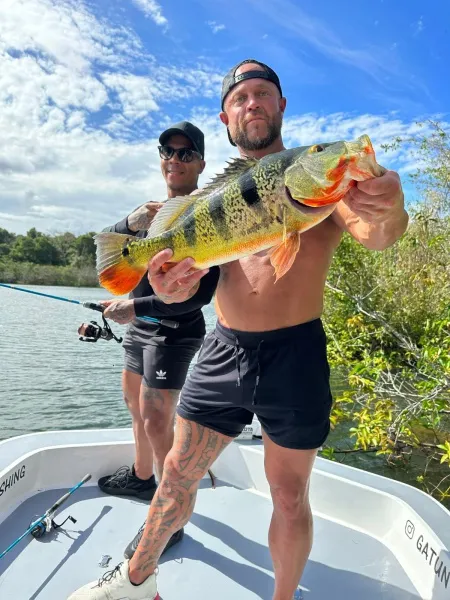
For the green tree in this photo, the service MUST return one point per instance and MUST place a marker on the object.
(85, 250)
(65, 243)
(6, 242)
(34, 247)
(40, 259)
(33, 233)
(23, 249)
(6, 237)
(387, 317)
(46, 252)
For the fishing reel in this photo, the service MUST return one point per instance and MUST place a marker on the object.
(45, 525)
(92, 331)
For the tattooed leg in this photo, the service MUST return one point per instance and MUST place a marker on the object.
(194, 450)
(158, 413)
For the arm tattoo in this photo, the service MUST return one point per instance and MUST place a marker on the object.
(142, 222)
(140, 219)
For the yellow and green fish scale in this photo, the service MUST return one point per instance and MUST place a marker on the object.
(247, 212)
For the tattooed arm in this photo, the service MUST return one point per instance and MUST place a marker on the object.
(143, 216)
(139, 220)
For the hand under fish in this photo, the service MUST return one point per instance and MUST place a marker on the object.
(252, 206)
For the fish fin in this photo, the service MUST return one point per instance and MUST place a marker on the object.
(236, 166)
(167, 266)
(167, 214)
(283, 255)
(175, 207)
(116, 272)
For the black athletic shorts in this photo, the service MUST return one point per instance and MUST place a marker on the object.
(282, 376)
(163, 361)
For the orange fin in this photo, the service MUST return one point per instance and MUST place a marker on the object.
(117, 272)
(167, 266)
(283, 255)
(121, 278)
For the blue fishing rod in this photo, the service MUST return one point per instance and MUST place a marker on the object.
(90, 305)
(45, 523)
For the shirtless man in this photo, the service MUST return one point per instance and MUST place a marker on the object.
(274, 336)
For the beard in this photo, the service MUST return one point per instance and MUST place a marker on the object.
(241, 139)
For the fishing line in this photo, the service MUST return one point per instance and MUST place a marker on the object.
(90, 305)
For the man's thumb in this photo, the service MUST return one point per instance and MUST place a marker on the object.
(106, 302)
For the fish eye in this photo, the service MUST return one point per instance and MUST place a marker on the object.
(316, 148)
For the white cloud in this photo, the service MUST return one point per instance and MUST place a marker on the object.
(382, 129)
(81, 105)
(76, 143)
(134, 92)
(418, 26)
(215, 26)
(152, 10)
(65, 31)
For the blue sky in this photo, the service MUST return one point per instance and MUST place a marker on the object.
(86, 87)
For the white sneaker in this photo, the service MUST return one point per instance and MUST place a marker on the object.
(116, 585)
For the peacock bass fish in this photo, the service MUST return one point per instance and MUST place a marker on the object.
(254, 205)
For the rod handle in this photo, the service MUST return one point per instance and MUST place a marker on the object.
(94, 306)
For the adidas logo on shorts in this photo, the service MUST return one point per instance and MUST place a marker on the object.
(161, 375)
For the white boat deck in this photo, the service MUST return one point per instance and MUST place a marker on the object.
(361, 551)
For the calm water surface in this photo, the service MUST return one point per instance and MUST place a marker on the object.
(50, 380)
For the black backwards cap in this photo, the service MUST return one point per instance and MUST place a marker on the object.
(231, 80)
(193, 133)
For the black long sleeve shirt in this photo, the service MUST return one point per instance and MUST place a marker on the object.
(188, 314)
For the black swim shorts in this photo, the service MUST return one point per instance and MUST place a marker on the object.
(282, 376)
(163, 361)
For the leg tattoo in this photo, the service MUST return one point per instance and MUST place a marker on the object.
(195, 449)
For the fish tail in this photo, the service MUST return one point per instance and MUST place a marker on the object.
(117, 270)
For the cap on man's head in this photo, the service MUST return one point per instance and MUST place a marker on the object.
(231, 79)
(193, 133)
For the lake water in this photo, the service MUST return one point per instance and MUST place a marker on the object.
(50, 380)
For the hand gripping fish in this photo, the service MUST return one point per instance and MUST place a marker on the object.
(252, 206)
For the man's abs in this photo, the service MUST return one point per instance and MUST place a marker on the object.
(248, 299)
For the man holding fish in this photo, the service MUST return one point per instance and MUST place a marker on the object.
(273, 222)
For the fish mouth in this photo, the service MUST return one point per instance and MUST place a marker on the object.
(305, 208)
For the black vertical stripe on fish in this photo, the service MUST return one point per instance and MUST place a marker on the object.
(169, 240)
(249, 190)
(189, 226)
(218, 217)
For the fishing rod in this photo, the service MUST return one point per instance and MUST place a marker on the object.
(45, 523)
(92, 306)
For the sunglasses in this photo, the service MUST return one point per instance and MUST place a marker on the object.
(184, 154)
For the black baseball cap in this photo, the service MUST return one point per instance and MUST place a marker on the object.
(193, 133)
(231, 80)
